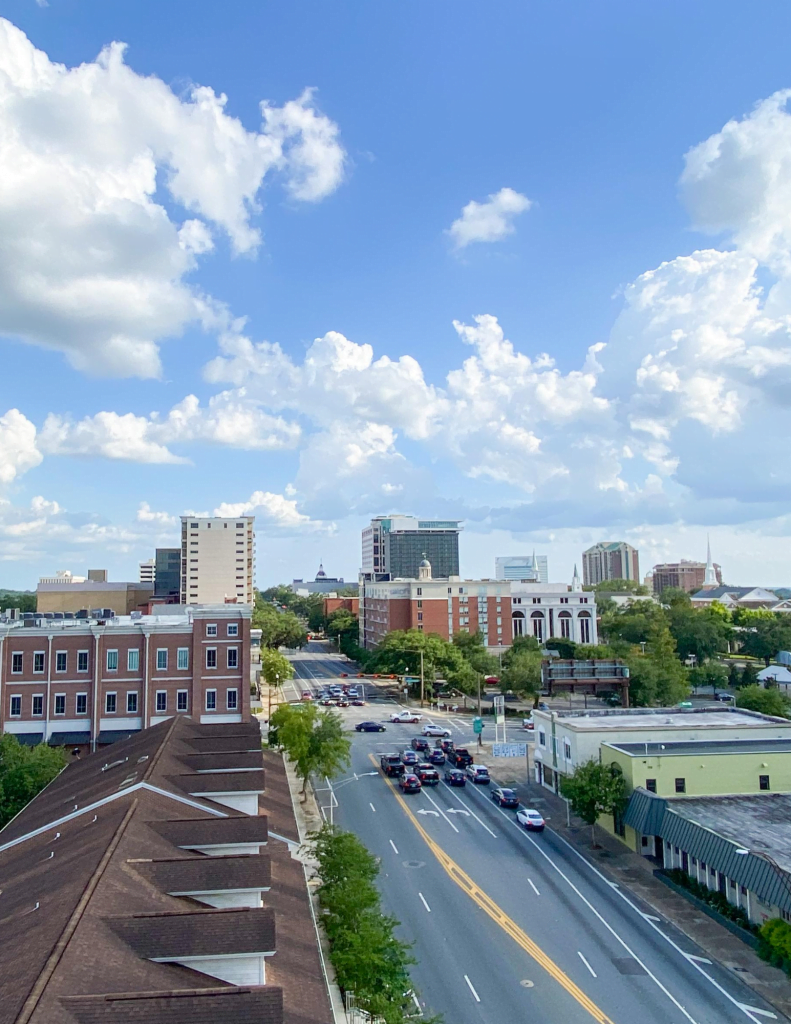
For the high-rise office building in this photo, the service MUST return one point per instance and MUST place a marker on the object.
(217, 560)
(394, 546)
(167, 573)
(610, 560)
(522, 567)
(147, 571)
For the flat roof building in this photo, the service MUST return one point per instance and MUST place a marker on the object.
(610, 560)
(67, 593)
(393, 546)
(217, 560)
(522, 567)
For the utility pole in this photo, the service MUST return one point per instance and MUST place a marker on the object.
(479, 695)
(422, 679)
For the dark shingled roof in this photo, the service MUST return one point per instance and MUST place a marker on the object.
(229, 759)
(209, 932)
(219, 744)
(213, 831)
(221, 782)
(229, 1005)
(207, 874)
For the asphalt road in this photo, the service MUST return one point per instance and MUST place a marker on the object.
(510, 926)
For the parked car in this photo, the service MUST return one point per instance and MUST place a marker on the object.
(505, 797)
(531, 819)
(724, 697)
(418, 743)
(428, 775)
(410, 783)
(429, 729)
(391, 764)
(307, 695)
(405, 716)
(357, 703)
(410, 757)
(455, 777)
(543, 706)
(369, 727)
(436, 757)
(528, 723)
(479, 774)
(460, 757)
(342, 702)
(353, 691)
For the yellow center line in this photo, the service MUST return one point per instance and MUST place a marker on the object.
(509, 926)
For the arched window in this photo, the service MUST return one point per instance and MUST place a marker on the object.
(518, 624)
(565, 624)
(584, 622)
(538, 625)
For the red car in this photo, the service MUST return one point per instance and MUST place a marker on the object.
(410, 783)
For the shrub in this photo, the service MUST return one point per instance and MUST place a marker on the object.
(712, 897)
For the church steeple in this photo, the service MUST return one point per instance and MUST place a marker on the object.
(710, 579)
(576, 582)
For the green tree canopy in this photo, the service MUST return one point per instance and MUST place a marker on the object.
(767, 702)
(278, 628)
(275, 666)
(698, 631)
(24, 772)
(763, 637)
(399, 652)
(474, 651)
(619, 587)
(313, 740)
(632, 622)
(594, 789)
(711, 673)
(657, 677)
(565, 648)
(24, 600)
(522, 675)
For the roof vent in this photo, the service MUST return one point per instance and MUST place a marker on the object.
(114, 764)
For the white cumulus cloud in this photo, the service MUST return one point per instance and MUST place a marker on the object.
(19, 451)
(489, 221)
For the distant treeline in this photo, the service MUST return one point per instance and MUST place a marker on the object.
(25, 600)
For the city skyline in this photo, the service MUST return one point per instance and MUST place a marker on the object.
(595, 328)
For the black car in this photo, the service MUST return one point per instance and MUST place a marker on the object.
(369, 727)
(418, 743)
(409, 757)
(460, 757)
(428, 775)
(391, 764)
(410, 783)
(436, 757)
(505, 797)
(455, 777)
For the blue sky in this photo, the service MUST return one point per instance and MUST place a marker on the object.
(604, 146)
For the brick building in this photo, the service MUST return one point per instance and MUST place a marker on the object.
(94, 681)
(444, 606)
(610, 560)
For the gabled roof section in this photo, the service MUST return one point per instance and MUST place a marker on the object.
(219, 782)
(234, 830)
(229, 1005)
(207, 874)
(210, 932)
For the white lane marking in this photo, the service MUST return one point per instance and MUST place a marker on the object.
(395, 848)
(444, 815)
(532, 886)
(435, 813)
(463, 803)
(475, 994)
(650, 917)
(423, 899)
(582, 958)
(700, 959)
(689, 957)
(372, 806)
(606, 923)
(461, 726)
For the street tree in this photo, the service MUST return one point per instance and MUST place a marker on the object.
(475, 653)
(594, 789)
(522, 675)
(764, 637)
(734, 677)
(698, 631)
(750, 675)
(399, 652)
(313, 740)
(711, 673)
(657, 677)
(767, 702)
(633, 622)
(24, 772)
(278, 628)
(566, 648)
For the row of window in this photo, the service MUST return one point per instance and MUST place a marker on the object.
(111, 702)
(132, 660)
(681, 784)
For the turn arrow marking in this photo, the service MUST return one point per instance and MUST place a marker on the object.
(457, 810)
(435, 813)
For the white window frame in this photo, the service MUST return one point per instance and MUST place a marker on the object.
(132, 710)
(14, 656)
(77, 704)
(228, 652)
(211, 650)
(213, 705)
(161, 710)
(235, 691)
(18, 698)
(59, 696)
(542, 738)
(107, 696)
(107, 660)
(162, 656)
(34, 697)
(133, 655)
(43, 656)
(211, 629)
(185, 651)
(65, 656)
(232, 629)
(87, 659)
(186, 695)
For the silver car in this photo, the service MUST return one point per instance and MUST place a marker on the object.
(434, 730)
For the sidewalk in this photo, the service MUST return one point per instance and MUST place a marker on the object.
(635, 873)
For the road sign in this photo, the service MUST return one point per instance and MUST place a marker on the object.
(499, 708)
(509, 750)
(477, 725)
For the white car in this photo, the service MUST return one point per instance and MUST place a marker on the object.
(405, 716)
(434, 730)
(531, 819)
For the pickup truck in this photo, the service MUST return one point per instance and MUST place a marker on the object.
(460, 757)
(391, 764)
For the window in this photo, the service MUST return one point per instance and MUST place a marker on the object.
(82, 703)
(233, 629)
(211, 630)
(82, 661)
(16, 706)
(109, 703)
(16, 662)
(112, 661)
(240, 526)
(60, 703)
(567, 750)
(211, 657)
(536, 600)
(232, 657)
(181, 700)
(420, 617)
(650, 785)
(763, 781)
(231, 699)
(162, 701)
(38, 704)
(131, 702)
(420, 604)
(38, 661)
(183, 658)
(499, 621)
(499, 629)
(450, 590)
(193, 526)
(681, 785)
(542, 738)
(133, 660)
(211, 700)
(564, 600)
(61, 661)
(162, 659)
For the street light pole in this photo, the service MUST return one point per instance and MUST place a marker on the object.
(422, 679)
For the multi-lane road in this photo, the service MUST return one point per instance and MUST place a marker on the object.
(510, 926)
